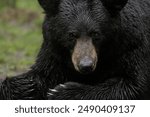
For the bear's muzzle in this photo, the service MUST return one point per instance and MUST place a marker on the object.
(84, 56)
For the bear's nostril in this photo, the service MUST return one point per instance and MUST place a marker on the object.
(86, 65)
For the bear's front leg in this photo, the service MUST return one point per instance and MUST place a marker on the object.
(110, 90)
(69, 91)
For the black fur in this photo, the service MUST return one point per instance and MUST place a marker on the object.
(122, 47)
(114, 5)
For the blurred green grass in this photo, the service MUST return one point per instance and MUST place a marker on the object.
(20, 36)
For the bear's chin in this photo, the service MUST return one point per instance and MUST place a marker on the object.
(86, 71)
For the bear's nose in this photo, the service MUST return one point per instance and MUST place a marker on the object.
(86, 65)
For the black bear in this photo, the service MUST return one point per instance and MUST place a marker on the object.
(92, 49)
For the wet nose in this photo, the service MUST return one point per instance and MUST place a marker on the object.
(86, 65)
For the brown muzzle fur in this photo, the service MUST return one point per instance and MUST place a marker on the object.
(84, 56)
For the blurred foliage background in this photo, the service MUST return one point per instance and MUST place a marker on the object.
(20, 35)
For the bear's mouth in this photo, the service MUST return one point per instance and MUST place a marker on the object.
(84, 56)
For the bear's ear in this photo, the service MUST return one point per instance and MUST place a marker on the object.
(114, 5)
(50, 6)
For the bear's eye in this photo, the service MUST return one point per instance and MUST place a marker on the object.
(94, 34)
(73, 35)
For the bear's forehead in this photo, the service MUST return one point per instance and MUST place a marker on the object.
(78, 13)
(69, 7)
(75, 12)
(81, 9)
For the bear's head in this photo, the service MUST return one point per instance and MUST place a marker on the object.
(81, 28)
